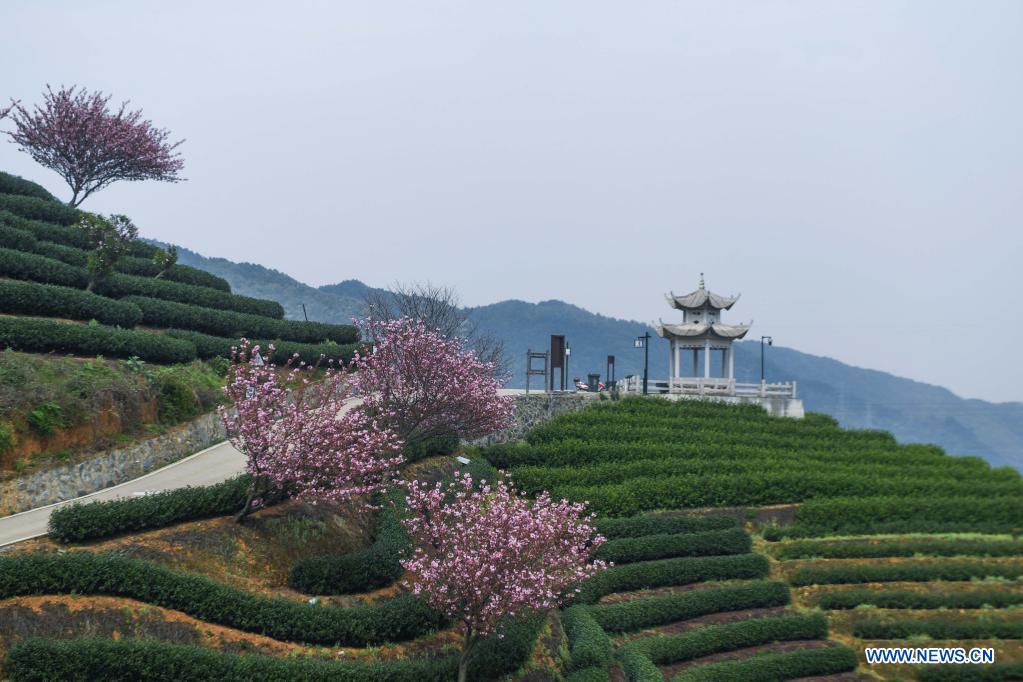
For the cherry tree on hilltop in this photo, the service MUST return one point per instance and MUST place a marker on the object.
(76, 134)
(299, 436)
(429, 384)
(482, 554)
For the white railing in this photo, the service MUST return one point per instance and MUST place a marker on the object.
(707, 386)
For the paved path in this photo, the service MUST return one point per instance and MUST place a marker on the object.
(212, 465)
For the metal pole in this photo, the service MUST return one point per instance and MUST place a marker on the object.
(304, 314)
(646, 360)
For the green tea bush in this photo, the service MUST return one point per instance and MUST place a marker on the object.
(101, 660)
(588, 674)
(397, 619)
(18, 240)
(588, 644)
(898, 514)
(663, 546)
(35, 268)
(45, 419)
(637, 666)
(771, 667)
(50, 300)
(208, 346)
(908, 599)
(120, 285)
(170, 314)
(657, 524)
(46, 336)
(666, 572)
(938, 627)
(901, 547)
(996, 672)
(369, 569)
(100, 519)
(12, 184)
(47, 231)
(643, 613)
(904, 572)
(712, 639)
(145, 267)
(36, 208)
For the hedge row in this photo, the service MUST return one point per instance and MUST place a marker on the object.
(712, 639)
(35, 268)
(655, 524)
(207, 346)
(870, 549)
(663, 546)
(49, 232)
(939, 628)
(907, 572)
(12, 184)
(37, 208)
(908, 599)
(87, 660)
(899, 514)
(996, 672)
(46, 336)
(120, 285)
(588, 675)
(770, 667)
(50, 300)
(638, 667)
(376, 566)
(644, 613)
(170, 314)
(398, 619)
(100, 519)
(21, 239)
(588, 643)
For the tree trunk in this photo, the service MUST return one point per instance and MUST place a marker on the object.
(468, 642)
(247, 509)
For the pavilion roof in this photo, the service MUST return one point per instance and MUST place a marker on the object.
(701, 298)
(695, 329)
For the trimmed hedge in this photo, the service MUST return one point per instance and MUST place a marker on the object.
(170, 314)
(207, 346)
(902, 547)
(18, 240)
(36, 208)
(49, 232)
(79, 522)
(186, 274)
(666, 572)
(908, 599)
(398, 619)
(588, 675)
(46, 336)
(712, 639)
(88, 660)
(663, 546)
(35, 268)
(588, 644)
(644, 613)
(652, 524)
(996, 672)
(896, 514)
(120, 285)
(907, 572)
(637, 666)
(772, 667)
(48, 300)
(374, 567)
(939, 628)
(13, 184)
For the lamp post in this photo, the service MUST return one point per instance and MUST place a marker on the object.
(770, 342)
(644, 343)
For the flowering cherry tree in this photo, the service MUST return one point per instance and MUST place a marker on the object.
(299, 435)
(483, 553)
(429, 384)
(76, 134)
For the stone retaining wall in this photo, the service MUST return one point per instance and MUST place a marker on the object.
(535, 408)
(110, 468)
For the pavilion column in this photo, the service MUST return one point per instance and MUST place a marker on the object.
(696, 353)
(678, 360)
(731, 361)
(671, 360)
(724, 362)
(706, 359)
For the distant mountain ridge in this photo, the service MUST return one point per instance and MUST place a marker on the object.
(859, 398)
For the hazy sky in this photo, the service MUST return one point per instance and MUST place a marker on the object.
(854, 169)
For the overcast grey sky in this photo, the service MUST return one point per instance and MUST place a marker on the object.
(854, 169)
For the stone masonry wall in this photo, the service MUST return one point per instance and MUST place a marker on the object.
(535, 408)
(111, 468)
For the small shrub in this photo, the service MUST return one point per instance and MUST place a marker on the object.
(588, 644)
(45, 419)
